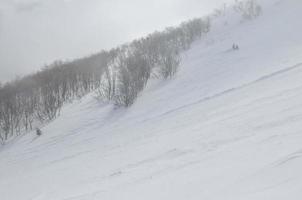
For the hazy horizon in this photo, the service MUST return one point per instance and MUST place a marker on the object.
(37, 32)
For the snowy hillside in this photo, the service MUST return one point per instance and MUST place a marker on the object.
(227, 127)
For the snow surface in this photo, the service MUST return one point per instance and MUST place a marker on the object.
(228, 126)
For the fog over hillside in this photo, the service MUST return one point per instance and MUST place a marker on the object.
(35, 32)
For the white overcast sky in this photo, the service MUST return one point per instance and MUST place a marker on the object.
(37, 32)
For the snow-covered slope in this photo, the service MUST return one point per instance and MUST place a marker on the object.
(228, 126)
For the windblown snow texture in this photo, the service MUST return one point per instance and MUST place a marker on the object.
(228, 126)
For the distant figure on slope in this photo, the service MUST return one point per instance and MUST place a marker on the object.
(235, 47)
(38, 132)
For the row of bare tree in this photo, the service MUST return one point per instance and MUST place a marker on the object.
(157, 55)
(118, 76)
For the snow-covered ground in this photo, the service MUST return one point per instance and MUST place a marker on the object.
(227, 127)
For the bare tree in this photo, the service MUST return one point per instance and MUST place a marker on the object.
(249, 9)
